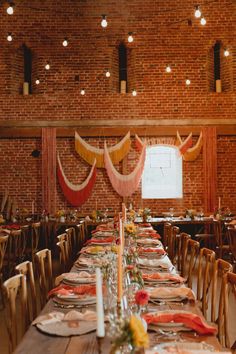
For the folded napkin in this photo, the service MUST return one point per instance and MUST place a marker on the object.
(63, 289)
(165, 293)
(72, 315)
(11, 227)
(85, 261)
(151, 250)
(163, 276)
(145, 224)
(102, 240)
(92, 249)
(189, 319)
(149, 234)
(148, 241)
(74, 276)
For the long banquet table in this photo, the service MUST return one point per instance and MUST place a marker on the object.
(37, 343)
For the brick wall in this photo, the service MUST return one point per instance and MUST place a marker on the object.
(161, 36)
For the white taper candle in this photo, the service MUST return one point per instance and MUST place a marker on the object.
(99, 304)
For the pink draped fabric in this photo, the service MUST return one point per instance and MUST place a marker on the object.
(125, 185)
(210, 167)
(49, 169)
(76, 194)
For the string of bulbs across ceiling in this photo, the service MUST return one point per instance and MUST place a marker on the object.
(104, 23)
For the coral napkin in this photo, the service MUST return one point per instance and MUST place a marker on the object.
(149, 234)
(101, 240)
(189, 319)
(165, 293)
(163, 276)
(68, 290)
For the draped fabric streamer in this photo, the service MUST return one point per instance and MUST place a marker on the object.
(192, 153)
(76, 194)
(89, 153)
(184, 145)
(125, 185)
(49, 161)
(189, 153)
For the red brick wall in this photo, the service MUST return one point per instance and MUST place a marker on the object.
(160, 38)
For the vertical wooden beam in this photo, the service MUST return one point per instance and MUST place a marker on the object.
(124, 172)
(210, 168)
(49, 169)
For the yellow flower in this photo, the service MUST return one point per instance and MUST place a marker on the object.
(140, 337)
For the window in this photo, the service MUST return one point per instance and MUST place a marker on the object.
(123, 68)
(162, 176)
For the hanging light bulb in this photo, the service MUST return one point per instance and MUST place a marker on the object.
(10, 8)
(37, 81)
(104, 21)
(82, 92)
(226, 53)
(134, 93)
(188, 82)
(47, 66)
(9, 37)
(197, 12)
(168, 69)
(130, 37)
(65, 42)
(108, 74)
(203, 21)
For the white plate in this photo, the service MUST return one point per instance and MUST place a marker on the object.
(68, 328)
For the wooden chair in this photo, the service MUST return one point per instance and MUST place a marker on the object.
(13, 250)
(63, 258)
(220, 268)
(166, 234)
(190, 257)
(181, 250)
(34, 240)
(16, 325)
(72, 241)
(64, 237)
(44, 270)
(172, 242)
(206, 261)
(26, 268)
(3, 247)
(232, 243)
(228, 281)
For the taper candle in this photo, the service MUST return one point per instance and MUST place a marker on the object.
(219, 203)
(119, 275)
(99, 304)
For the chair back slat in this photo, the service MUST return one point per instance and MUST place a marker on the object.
(44, 267)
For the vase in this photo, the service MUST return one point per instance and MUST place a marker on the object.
(62, 219)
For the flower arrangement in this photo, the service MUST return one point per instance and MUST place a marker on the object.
(135, 275)
(145, 213)
(131, 214)
(130, 229)
(60, 213)
(96, 215)
(133, 333)
(141, 297)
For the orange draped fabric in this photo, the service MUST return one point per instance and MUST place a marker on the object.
(210, 167)
(49, 163)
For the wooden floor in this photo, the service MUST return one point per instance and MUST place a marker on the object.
(232, 324)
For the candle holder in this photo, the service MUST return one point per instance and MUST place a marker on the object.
(99, 344)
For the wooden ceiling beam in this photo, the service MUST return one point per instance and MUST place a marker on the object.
(27, 129)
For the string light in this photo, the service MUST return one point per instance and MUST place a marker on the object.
(9, 37)
(226, 53)
(134, 93)
(188, 82)
(168, 69)
(203, 21)
(130, 37)
(37, 81)
(10, 8)
(197, 12)
(108, 74)
(47, 66)
(65, 42)
(82, 92)
(104, 21)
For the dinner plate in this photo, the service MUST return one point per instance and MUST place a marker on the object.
(74, 301)
(68, 328)
(79, 281)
